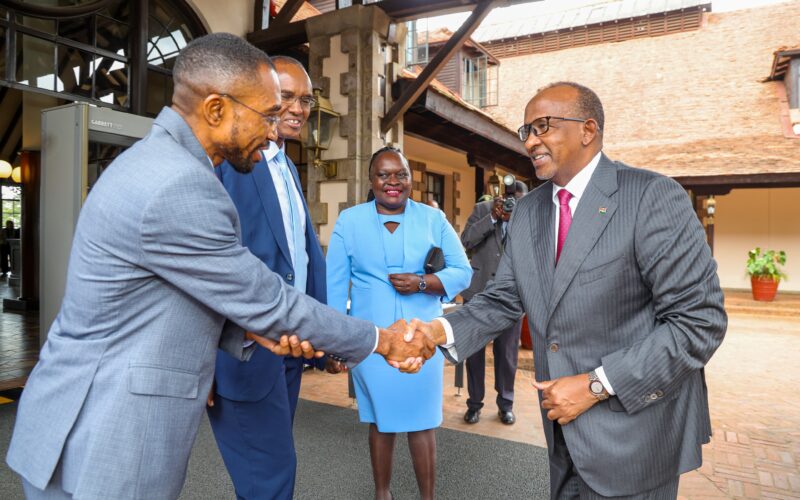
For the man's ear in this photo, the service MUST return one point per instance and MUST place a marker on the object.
(590, 131)
(214, 109)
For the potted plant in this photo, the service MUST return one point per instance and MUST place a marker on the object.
(765, 273)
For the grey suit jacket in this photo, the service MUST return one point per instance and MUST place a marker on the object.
(483, 240)
(635, 291)
(156, 268)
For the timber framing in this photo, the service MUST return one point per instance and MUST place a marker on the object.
(410, 94)
(287, 12)
(437, 118)
(279, 37)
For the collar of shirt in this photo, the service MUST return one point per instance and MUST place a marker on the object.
(272, 151)
(578, 183)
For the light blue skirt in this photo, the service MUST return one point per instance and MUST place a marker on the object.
(399, 402)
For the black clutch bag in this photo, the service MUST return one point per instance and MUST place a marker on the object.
(434, 261)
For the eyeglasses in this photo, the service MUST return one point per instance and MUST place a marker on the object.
(399, 176)
(270, 120)
(540, 126)
(306, 101)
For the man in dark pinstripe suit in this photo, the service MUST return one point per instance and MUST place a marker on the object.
(611, 265)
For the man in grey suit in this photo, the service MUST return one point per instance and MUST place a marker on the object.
(484, 237)
(611, 265)
(157, 280)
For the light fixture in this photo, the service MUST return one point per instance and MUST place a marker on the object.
(5, 169)
(796, 128)
(494, 185)
(321, 123)
(16, 175)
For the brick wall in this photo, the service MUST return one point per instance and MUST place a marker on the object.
(665, 95)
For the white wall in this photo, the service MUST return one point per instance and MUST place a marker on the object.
(231, 16)
(749, 218)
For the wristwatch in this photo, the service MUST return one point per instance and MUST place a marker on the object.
(596, 387)
(422, 285)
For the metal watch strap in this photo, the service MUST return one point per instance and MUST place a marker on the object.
(594, 383)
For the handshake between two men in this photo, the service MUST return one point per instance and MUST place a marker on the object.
(405, 346)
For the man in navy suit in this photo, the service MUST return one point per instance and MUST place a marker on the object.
(262, 394)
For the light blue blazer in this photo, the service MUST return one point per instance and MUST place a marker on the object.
(357, 239)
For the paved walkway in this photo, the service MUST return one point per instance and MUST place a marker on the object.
(753, 382)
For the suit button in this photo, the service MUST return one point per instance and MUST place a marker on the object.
(660, 393)
(289, 277)
(554, 347)
(653, 396)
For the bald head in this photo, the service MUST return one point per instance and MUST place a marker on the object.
(586, 103)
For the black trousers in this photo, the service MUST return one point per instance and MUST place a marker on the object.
(506, 353)
(5, 258)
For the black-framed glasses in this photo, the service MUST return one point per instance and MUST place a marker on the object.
(540, 126)
(306, 101)
(270, 120)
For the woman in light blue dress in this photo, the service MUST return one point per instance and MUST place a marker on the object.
(376, 257)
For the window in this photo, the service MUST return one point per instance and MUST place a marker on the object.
(90, 57)
(417, 43)
(434, 188)
(11, 205)
(479, 81)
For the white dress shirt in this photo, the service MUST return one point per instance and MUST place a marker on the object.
(274, 168)
(576, 186)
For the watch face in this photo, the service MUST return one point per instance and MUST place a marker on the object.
(596, 387)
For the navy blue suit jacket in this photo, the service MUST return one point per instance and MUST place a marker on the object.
(263, 234)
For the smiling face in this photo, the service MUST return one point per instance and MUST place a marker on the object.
(295, 87)
(391, 182)
(567, 146)
(243, 130)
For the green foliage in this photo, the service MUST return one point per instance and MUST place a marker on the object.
(766, 264)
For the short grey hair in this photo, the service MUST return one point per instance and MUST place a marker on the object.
(218, 62)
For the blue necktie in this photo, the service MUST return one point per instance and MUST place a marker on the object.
(300, 257)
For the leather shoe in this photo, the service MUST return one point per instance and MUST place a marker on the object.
(507, 417)
(472, 416)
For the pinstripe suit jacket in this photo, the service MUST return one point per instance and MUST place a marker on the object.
(636, 291)
(156, 268)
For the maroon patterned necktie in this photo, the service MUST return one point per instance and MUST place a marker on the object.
(564, 219)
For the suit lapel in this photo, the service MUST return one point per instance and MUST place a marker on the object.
(272, 207)
(542, 230)
(588, 223)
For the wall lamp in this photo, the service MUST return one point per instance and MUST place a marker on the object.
(5, 169)
(321, 123)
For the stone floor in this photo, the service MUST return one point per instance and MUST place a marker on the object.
(19, 341)
(753, 385)
(755, 411)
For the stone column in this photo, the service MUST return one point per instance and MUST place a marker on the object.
(354, 56)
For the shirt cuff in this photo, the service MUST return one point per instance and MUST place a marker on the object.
(247, 343)
(377, 337)
(450, 338)
(601, 374)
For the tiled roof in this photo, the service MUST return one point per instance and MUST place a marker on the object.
(445, 91)
(691, 104)
(600, 12)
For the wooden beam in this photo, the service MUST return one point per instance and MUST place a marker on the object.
(258, 15)
(410, 95)
(287, 12)
(278, 38)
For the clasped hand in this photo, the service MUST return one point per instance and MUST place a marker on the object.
(405, 346)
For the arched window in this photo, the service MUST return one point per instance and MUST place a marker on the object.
(113, 53)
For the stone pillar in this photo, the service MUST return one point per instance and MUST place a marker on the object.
(354, 56)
